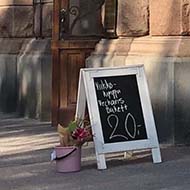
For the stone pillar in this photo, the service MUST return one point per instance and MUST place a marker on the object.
(25, 62)
(34, 79)
(132, 18)
(34, 66)
(16, 22)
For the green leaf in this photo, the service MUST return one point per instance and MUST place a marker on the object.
(72, 126)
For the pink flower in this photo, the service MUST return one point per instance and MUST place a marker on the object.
(80, 134)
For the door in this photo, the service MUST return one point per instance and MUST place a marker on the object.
(77, 28)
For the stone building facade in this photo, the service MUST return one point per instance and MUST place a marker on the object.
(150, 32)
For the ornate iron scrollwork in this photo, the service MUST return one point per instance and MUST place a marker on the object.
(74, 10)
(77, 14)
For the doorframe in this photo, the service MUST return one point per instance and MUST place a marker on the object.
(58, 45)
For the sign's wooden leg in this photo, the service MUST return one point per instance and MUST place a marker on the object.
(101, 161)
(81, 99)
(156, 155)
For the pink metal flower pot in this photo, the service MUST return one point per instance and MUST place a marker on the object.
(68, 159)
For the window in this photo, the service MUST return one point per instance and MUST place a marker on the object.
(84, 18)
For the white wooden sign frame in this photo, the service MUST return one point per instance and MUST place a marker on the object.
(87, 93)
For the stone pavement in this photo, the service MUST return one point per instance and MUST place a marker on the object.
(25, 147)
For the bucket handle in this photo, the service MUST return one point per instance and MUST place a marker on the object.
(62, 157)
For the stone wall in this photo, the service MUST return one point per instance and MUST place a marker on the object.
(25, 57)
(157, 18)
(166, 61)
(165, 53)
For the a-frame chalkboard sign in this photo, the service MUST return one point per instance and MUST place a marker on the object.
(119, 109)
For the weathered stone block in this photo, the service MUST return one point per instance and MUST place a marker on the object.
(37, 20)
(34, 81)
(16, 21)
(6, 17)
(23, 21)
(132, 18)
(29, 83)
(165, 17)
(182, 97)
(46, 87)
(47, 19)
(16, 2)
(43, 1)
(186, 17)
(2, 82)
(8, 91)
(10, 45)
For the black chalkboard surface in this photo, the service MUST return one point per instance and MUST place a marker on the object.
(120, 108)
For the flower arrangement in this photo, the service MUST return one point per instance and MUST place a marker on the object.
(76, 133)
